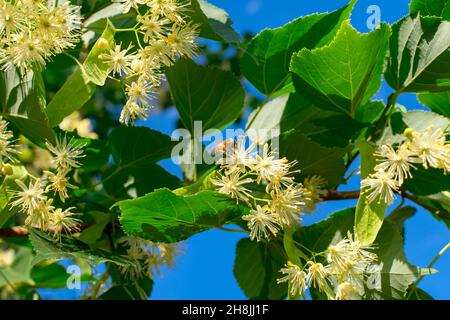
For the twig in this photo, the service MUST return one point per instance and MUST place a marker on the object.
(440, 253)
(340, 195)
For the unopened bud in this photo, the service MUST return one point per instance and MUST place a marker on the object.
(7, 170)
(103, 44)
(137, 66)
(26, 155)
(408, 133)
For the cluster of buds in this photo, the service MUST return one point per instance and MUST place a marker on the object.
(428, 148)
(347, 261)
(257, 177)
(148, 257)
(165, 36)
(33, 201)
(31, 31)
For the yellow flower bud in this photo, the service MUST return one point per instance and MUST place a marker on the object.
(26, 155)
(7, 170)
(408, 133)
(103, 44)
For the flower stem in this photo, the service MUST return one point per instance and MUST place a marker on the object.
(436, 258)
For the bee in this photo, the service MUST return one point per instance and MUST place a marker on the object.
(224, 147)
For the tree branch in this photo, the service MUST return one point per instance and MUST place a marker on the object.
(341, 195)
(13, 232)
(416, 199)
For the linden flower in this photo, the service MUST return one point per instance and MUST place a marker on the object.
(30, 196)
(396, 163)
(131, 111)
(59, 184)
(429, 146)
(236, 156)
(317, 275)
(63, 221)
(168, 8)
(157, 53)
(6, 258)
(7, 148)
(152, 26)
(139, 91)
(65, 153)
(39, 217)
(380, 185)
(261, 223)
(271, 169)
(232, 184)
(182, 40)
(33, 31)
(360, 250)
(295, 277)
(128, 4)
(118, 60)
(287, 204)
(59, 27)
(168, 252)
(10, 19)
(313, 191)
(147, 256)
(24, 51)
(347, 253)
(346, 291)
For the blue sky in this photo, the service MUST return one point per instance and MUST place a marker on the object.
(205, 269)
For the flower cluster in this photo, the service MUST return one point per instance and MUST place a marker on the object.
(31, 31)
(347, 261)
(8, 148)
(276, 200)
(148, 257)
(428, 148)
(32, 200)
(165, 37)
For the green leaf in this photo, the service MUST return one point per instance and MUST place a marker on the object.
(96, 70)
(8, 185)
(163, 216)
(390, 277)
(438, 102)
(369, 216)
(214, 21)
(20, 269)
(294, 112)
(344, 74)
(427, 181)
(81, 85)
(418, 120)
(138, 290)
(137, 181)
(70, 248)
(52, 276)
(266, 61)
(420, 294)
(96, 152)
(94, 232)
(134, 146)
(438, 8)
(22, 99)
(256, 268)
(400, 215)
(205, 94)
(419, 55)
(318, 160)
